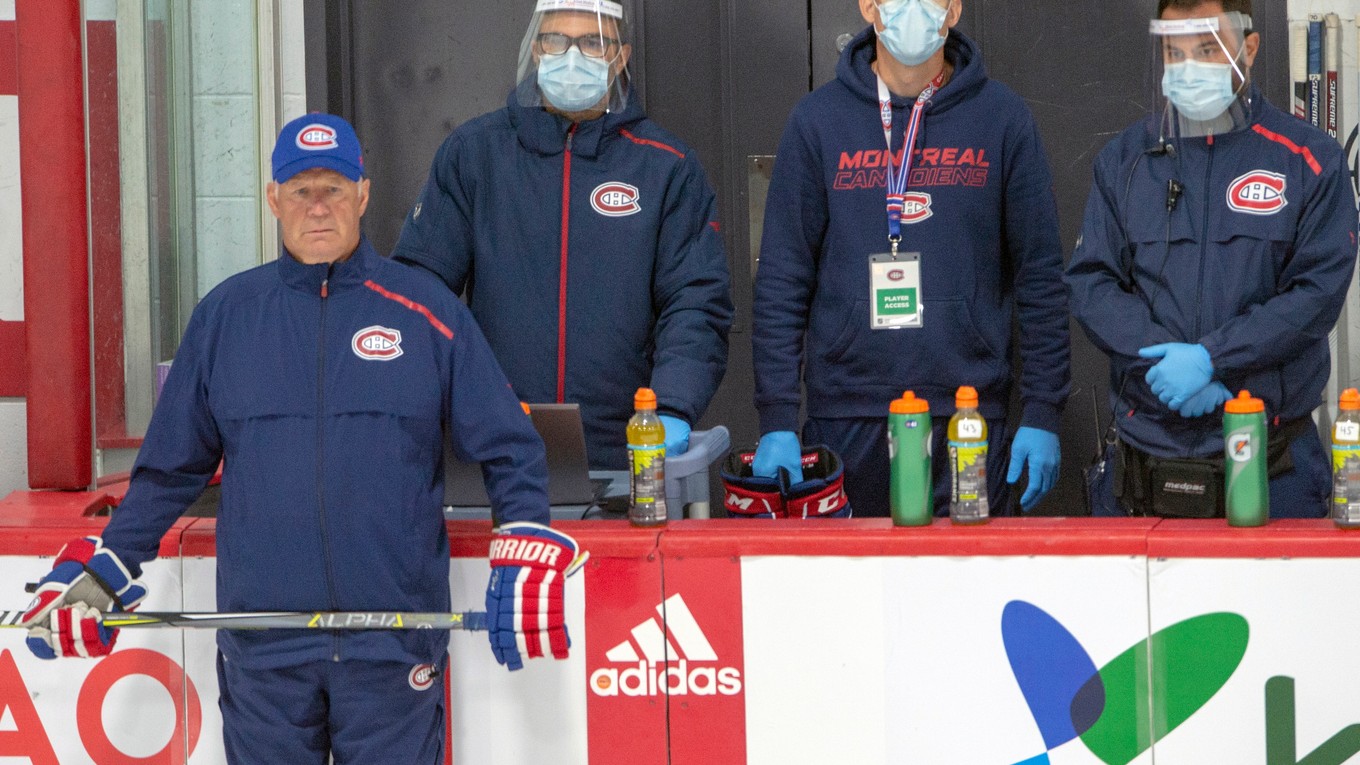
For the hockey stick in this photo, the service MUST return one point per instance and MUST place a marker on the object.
(263, 620)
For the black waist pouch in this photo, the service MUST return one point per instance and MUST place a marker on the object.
(1186, 488)
(1168, 488)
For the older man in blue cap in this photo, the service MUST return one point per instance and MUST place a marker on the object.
(322, 383)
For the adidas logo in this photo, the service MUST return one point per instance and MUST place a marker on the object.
(677, 664)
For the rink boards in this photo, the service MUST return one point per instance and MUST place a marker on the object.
(1023, 641)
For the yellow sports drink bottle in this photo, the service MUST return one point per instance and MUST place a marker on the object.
(968, 459)
(647, 462)
(1346, 461)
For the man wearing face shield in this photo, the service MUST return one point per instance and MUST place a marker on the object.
(1215, 256)
(883, 270)
(584, 237)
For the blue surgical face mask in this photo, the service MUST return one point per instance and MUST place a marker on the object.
(1199, 90)
(571, 81)
(911, 29)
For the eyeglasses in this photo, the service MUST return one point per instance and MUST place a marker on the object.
(591, 46)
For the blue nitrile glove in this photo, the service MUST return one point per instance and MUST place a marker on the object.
(677, 435)
(1183, 371)
(1214, 396)
(1040, 449)
(779, 449)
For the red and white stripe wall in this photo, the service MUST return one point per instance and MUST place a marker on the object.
(59, 221)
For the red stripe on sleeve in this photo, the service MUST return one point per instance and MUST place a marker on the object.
(1288, 144)
(649, 142)
(414, 306)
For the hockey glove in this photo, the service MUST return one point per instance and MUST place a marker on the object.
(747, 495)
(529, 566)
(65, 617)
(820, 493)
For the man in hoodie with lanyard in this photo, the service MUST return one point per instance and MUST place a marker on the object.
(1215, 256)
(884, 269)
(585, 237)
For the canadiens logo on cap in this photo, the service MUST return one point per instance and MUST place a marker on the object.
(377, 343)
(615, 199)
(1258, 193)
(317, 137)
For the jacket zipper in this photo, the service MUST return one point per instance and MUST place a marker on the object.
(320, 458)
(562, 272)
(1203, 240)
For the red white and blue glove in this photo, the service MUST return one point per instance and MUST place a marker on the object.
(66, 616)
(529, 567)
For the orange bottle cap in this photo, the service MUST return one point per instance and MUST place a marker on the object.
(645, 398)
(966, 396)
(909, 404)
(1244, 404)
(1350, 399)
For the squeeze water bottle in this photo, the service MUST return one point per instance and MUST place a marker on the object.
(1244, 446)
(647, 462)
(1346, 461)
(910, 488)
(968, 459)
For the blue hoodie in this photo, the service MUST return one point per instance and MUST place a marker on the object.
(646, 300)
(1253, 262)
(325, 390)
(989, 246)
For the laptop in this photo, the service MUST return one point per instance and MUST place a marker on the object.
(569, 481)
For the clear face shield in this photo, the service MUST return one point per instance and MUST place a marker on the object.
(574, 58)
(1202, 73)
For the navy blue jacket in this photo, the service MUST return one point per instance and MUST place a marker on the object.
(989, 247)
(1253, 262)
(591, 257)
(332, 482)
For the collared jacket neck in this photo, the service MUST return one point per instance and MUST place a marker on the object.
(545, 133)
(345, 274)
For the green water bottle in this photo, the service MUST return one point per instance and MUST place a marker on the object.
(911, 492)
(1244, 448)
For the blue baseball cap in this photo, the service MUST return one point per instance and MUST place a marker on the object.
(318, 140)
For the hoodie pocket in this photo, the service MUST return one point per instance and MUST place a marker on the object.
(950, 349)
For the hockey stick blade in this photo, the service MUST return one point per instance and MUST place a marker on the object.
(264, 620)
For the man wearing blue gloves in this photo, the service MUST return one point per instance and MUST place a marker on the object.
(883, 270)
(323, 384)
(1215, 256)
(584, 236)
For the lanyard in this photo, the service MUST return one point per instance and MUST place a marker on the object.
(897, 181)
